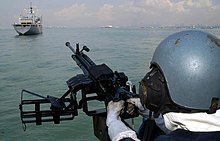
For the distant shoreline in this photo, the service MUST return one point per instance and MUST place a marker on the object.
(144, 27)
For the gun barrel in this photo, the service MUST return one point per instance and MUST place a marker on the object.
(71, 48)
(82, 60)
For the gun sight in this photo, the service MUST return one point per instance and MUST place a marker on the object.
(85, 48)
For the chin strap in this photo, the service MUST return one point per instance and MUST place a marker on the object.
(214, 105)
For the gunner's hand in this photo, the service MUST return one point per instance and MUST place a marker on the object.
(113, 111)
(137, 102)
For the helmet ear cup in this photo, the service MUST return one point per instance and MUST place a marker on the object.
(153, 90)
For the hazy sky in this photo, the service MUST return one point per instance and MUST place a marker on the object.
(80, 13)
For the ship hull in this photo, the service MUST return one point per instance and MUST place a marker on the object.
(28, 29)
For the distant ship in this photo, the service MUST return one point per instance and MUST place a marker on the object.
(29, 24)
(108, 26)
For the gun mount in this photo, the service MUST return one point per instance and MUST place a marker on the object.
(96, 79)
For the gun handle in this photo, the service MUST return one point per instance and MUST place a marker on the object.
(130, 111)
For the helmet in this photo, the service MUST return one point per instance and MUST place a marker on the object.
(190, 63)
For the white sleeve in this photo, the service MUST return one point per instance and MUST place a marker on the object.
(117, 130)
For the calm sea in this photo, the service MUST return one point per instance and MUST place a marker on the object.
(42, 64)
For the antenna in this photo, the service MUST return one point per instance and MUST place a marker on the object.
(31, 9)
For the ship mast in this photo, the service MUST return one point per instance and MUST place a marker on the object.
(31, 9)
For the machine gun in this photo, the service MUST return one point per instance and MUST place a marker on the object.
(96, 79)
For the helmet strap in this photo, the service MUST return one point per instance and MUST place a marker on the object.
(214, 105)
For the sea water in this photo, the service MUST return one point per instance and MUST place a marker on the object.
(42, 64)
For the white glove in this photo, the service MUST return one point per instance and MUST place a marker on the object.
(117, 130)
(137, 103)
(145, 113)
(113, 111)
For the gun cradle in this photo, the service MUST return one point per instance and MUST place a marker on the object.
(97, 79)
(56, 113)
